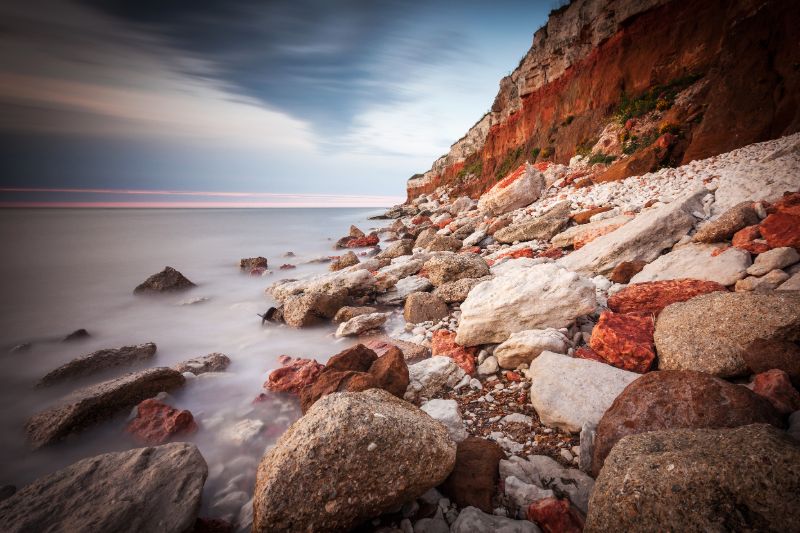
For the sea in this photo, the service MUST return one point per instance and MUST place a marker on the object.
(65, 269)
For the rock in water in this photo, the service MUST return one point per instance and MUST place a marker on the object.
(167, 280)
(157, 423)
(98, 402)
(352, 457)
(98, 361)
(525, 295)
(673, 399)
(147, 489)
(213, 362)
(711, 333)
(741, 479)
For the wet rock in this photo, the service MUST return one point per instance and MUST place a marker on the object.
(624, 341)
(424, 307)
(446, 412)
(544, 472)
(772, 259)
(520, 188)
(727, 224)
(710, 333)
(361, 324)
(444, 343)
(347, 312)
(472, 520)
(697, 261)
(343, 261)
(673, 399)
(624, 271)
(653, 296)
(99, 402)
(98, 361)
(523, 347)
(157, 423)
(523, 296)
(457, 291)
(642, 239)
(555, 516)
(294, 376)
(542, 227)
(473, 481)
(444, 243)
(568, 393)
(430, 376)
(781, 229)
(762, 355)
(352, 457)
(249, 263)
(167, 280)
(213, 362)
(403, 288)
(448, 267)
(776, 387)
(356, 283)
(310, 307)
(741, 479)
(78, 334)
(146, 489)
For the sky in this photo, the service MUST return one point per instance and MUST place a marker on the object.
(243, 103)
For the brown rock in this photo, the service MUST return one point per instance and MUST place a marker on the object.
(425, 237)
(294, 376)
(639, 163)
(457, 291)
(250, 263)
(444, 243)
(781, 229)
(584, 216)
(653, 296)
(498, 224)
(391, 372)
(624, 271)
(336, 381)
(473, 481)
(775, 386)
(424, 307)
(157, 423)
(308, 308)
(168, 280)
(671, 399)
(347, 312)
(343, 261)
(411, 350)
(358, 358)
(98, 361)
(731, 221)
(444, 268)
(763, 354)
(624, 341)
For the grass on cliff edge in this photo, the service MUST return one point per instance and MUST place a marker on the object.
(657, 97)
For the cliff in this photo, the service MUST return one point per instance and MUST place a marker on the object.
(631, 86)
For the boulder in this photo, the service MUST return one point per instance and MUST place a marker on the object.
(358, 242)
(213, 362)
(473, 520)
(444, 243)
(652, 297)
(361, 324)
(726, 225)
(752, 184)
(624, 271)
(397, 249)
(624, 341)
(544, 472)
(710, 333)
(448, 267)
(352, 457)
(555, 516)
(520, 188)
(568, 393)
(781, 229)
(356, 283)
(446, 412)
(99, 402)
(776, 387)
(146, 489)
(762, 355)
(524, 346)
(740, 479)
(343, 261)
(403, 288)
(697, 261)
(430, 376)
(791, 284)
(294, 376)
(522, 297)
(673, 399)
(424, 238)
(772, 259)
(541, 228)
(310, 307)
(249, 263)
(444, 343)
(382, 344)
(749, 239)
(642, 239)
(157, 423)
(765, 283)
(77, 335)
(473, 481)
(99, 361)
(347, 312)
(424, 307)
(168, 280)
(402, 269)
(584, 233)
(457, 291)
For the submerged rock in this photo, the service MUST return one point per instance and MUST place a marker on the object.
(213, 362)
(249, 263)
(146, 489)
(99, 361)
(78, 334)
(167, 280)
(157, 423)
(352, 457)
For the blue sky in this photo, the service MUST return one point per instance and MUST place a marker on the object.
(304, 97)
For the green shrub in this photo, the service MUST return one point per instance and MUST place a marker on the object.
(534, 154)
(659, 97)
(475, 168)
(509, 162)
(568, 120)
(600, 157)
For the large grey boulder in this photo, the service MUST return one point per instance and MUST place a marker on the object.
(741, 479)
(146, 489)
(98, 402)
(697, 261)
(351, 457)
(99, 361)
(446, 267)
(541, 228)
(473, 520)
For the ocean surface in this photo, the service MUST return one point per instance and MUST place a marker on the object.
(67, 269)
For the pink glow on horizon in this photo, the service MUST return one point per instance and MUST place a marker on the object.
(168, 192)
(189, 205)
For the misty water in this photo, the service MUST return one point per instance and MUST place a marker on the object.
(69, 269)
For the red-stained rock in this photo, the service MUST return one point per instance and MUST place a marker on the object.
(789, 204)
(775, 386)
(497, 224)
(665, 141)
(588, 236)
(553, 253)
(624, 271)
(391, 372)
(584, 216)
(781, 229)
(357, 358)
(470, 250)
(473, 480)
(516, 254)
(287, 266)
(258, 271)
(294, 376)
(625, 341)
(443, 224)
(420, 219)
(672, 399)
(555, 516)
(362, 242)
(585, 352)
(653, 296)
(745, 239)
(765, 354)
(720, 250)
(382, 345)
(443, 343)
(157, 423)
(512, 376)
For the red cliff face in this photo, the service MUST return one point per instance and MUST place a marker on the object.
(656, 82)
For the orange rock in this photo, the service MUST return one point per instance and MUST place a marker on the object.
(584, 352)
(745, 239)
(555, 516)
(516, 254)
(653, 296)
(775, 386)
(584, 216)
(624, 271)
(156, 422)
(588, 236)
(625, 341)
(443, 343)
(553, 253)
(781, 229)
(294, 375)
(789, 204)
